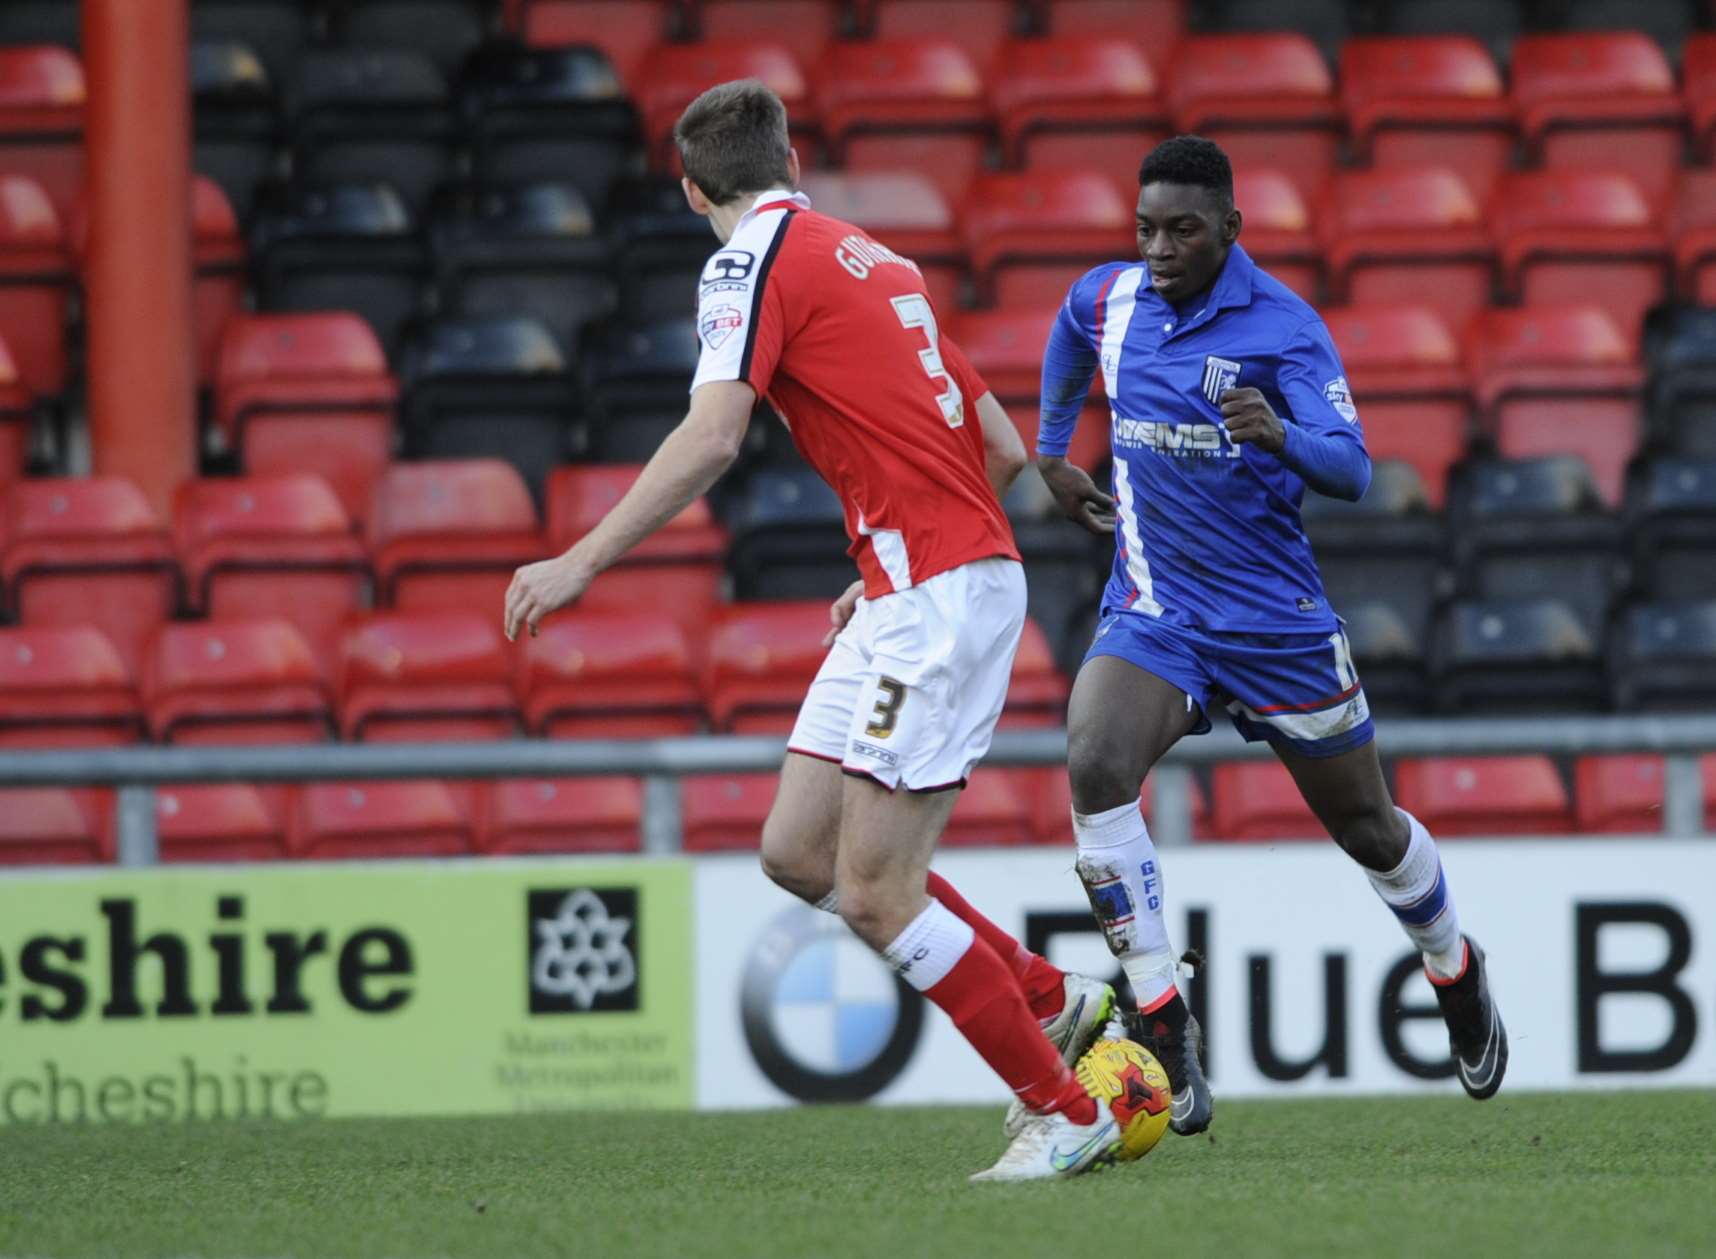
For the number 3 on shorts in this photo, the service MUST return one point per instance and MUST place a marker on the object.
(887, 708)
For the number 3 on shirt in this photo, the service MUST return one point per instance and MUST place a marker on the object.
(914, 312)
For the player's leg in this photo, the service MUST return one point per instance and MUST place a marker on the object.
(803, 827)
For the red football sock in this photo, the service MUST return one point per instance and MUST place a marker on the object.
(1040, 978)
(989, 1009)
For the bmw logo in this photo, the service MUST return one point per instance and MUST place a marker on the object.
(825, 1018)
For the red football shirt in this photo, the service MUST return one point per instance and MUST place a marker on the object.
(838, 333)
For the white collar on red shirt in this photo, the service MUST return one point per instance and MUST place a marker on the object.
(773, 196)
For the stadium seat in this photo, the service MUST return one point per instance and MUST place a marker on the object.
(54, 826)
(1536, 529)
(1487, 795)
(805, 27)
(275, 546)
(36, 281)
(1695, 238)
(220, 822)
(1051, 806)
(88, 551)
(549, 114)
(1671, 506)
(17, 416)
(1036, 691)
(449, 533)
(1558, 380)
(722, 812)
(904, 105)
(625, 30)
(1667, 22)
(1580, 236)
(1407, 235)
(225, 683)
(1663, 657)
(1164, 20)
(1428, 100)
(1600, 101)
(1497, 26)
(1391, 654)
(489, 385)
(1031, 234)
(236, 116)
(544, 815)
(1618, 795)
(1277, 228)
(444, 31)
(1403, 363)
(307, 393)
(1006, 348)
(372, 114)
(1327, 22)
(611, 675)
(41, 22)
(674, 75)
(789, 537)
(979, 27)
(400, 818)
(904, 211)
(1268, 99)
(64, 687)
(761, 660)
(344, 247)
(638, 379)
(41, 119)
(1075, 102)
(1680, 346)
(994, 810)
(1515, 655)
(1699, 72)
(277, 29)
(425, 676)
(658, 248)
(1258, 800)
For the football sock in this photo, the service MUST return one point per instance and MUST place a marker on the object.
(1117, 865)
(1043, 982)
(1417, 891)
(943, 958)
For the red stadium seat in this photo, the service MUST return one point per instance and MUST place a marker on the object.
(1258, 800)
(270, 546)
(1277, 231)
(1407, 236)
(904, 211)
(1074, 102)
(308, 393)
(806, 27)
(1559, 380)
(54, 826)
(448, 533)
(674, 75)
(377, 819)
(1618, 795)
(678, 570)
(64, 687)
(36, 281)
(89, 551)
(610, 675)
(534, 815)
(1428, 100)
(1006, 348)
(720, 812)
(1267, 98)
(220, 822)
(1490, 795)
(1695, 238)
(979, 27)
(224, 683)
(425, 677)
(1032, 234)
(1036, 692)
(17, 414)
(1162, 21)
(1581, 236)
(904, 105)
(762, 657)
(993, 810)
(1414, 398)
(1698, 67)
(1051, 812)
(41, 118)
(624, 29)
(1600, 101)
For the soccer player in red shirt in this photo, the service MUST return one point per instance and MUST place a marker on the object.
(838, 333)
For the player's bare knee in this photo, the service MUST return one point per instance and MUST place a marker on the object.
(1102, 775)
(873, 909)
(794, 865)
(1375, 838)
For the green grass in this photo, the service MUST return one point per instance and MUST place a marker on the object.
(1562, 1175)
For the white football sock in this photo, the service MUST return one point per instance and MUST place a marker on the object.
(1417, 891)
(929, 947)
(830, 904)
(1118, 867)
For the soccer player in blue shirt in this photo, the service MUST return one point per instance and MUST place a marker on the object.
(1228, 401)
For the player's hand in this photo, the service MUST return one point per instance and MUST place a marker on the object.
(841, 610)
(541, 588)
(1077, 495)
(1249, 418)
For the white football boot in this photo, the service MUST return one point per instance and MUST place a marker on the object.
(1087, 1010)
(1051, 1147)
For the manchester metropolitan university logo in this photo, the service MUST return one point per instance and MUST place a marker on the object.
(583, 950)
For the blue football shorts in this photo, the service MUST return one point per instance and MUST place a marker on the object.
(1296, 690)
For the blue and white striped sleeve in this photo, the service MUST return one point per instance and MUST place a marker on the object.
(1069, 363)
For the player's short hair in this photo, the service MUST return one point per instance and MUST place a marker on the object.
(1189, 160)
(733, 140)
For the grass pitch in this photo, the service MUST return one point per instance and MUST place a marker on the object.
(1548, 1174)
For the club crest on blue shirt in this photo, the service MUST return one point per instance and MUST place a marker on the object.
(1341, 399)
(1220, 375)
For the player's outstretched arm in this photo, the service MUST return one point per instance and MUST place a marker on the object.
(683, 468)
(1003, 451)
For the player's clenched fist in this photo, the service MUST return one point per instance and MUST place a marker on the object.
(1249, 418)
(538, 589)
(1077, 495)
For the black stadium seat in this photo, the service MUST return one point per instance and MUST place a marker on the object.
(1515, 656)
(237, 121)
(1392, 657)
(445, 31)
(1680, 346)
(1671, 510)
(1663, 657)
(277, 29)
(661, 247)
(789, 537)
(41, 22)
(639, 381)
